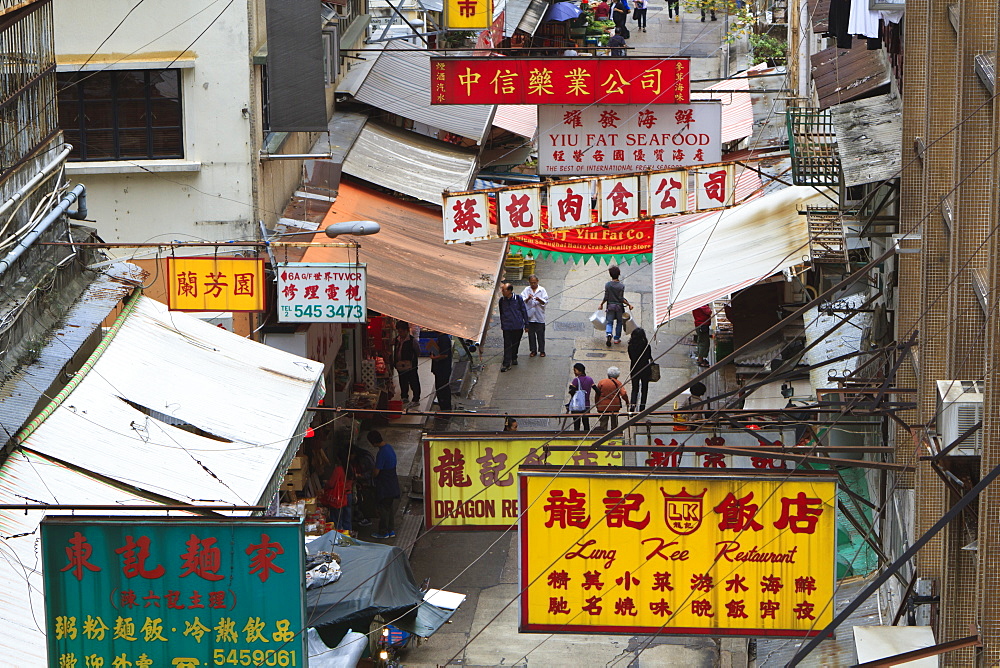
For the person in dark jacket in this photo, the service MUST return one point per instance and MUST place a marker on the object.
(619, 14)
(387, 490)
(513, 323)
(406, 354)
(640, 354)
(441, 368)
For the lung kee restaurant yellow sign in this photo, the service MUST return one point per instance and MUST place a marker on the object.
(471, 482)
(215, 284)
(646, 553)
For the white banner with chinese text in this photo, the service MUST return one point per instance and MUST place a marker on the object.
(619, 139)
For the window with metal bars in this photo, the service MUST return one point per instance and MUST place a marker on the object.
(122, 114)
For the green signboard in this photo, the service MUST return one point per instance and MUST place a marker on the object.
(141, 592)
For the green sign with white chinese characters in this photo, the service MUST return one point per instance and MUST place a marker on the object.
(141, 592)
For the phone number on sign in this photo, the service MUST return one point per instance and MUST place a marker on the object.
(332, 311)
(257, 657)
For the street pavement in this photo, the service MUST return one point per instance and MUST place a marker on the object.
(483, 565)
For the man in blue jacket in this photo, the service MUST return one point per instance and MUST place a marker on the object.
(513, 322)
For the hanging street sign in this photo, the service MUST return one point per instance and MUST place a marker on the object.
(576, 81)
(215, 284)
(603, 200)
(471, 482)
(468, 14)
(621, 139)
(647, 553)
(322, 292)
(177, 592)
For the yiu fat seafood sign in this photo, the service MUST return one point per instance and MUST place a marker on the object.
(629, 552)
(619, 139)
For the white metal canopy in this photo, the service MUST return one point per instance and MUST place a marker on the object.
(712, 255)
(247, 399)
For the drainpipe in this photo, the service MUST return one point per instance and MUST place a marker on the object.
(77, 193)
(44, 174)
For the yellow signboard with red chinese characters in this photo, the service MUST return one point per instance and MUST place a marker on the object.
(630, 552)
(215, 283)
(468, 14)
(470, 482)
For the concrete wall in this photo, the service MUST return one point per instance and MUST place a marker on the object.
(219, 190)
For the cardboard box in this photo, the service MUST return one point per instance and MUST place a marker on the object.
(294, 481)
(298, 463)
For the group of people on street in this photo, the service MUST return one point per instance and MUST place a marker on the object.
(406, 357)
(520, 314)
(354, 477)
(609, 393)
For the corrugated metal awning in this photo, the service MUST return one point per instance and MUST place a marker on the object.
(28, 478)
(711, 255)
(869, 138)
(737, 108)
(400, 82)
(29, 385)
(533, 16)
(410, 163)
(246, 402)
(412, 274)
(513, 15)
(842, 75)
(521, 119)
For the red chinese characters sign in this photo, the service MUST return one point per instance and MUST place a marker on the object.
(560, 81)
(650, 553)
(149, 592)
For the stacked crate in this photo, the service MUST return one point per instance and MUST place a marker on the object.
(297, 476)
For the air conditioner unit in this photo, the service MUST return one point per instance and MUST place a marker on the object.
(960, 406)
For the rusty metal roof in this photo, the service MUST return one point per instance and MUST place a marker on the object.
(842, 75)
(869, 138)
(412, 274)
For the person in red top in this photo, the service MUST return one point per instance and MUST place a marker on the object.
(338, 496)
(703, 331)
(602, 11)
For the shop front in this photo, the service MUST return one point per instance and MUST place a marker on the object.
(412, 277)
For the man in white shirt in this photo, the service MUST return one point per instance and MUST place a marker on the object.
(535, 298)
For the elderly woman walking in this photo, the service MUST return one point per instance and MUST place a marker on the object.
(610, 393)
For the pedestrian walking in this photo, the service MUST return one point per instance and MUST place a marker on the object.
(640, 355)
(387, 491)
(639, 13)
(702, 332)
(535, 298)
(579, 397)
(674, 10)
(441, 368)
(406, 354)
(614, 297)
(602, 11)
(710, 5)
(619, 14)
(609, 393)
(513, 323)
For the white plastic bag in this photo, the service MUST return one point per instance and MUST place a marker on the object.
(599, 320)
(578, 403)
(631, 323)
